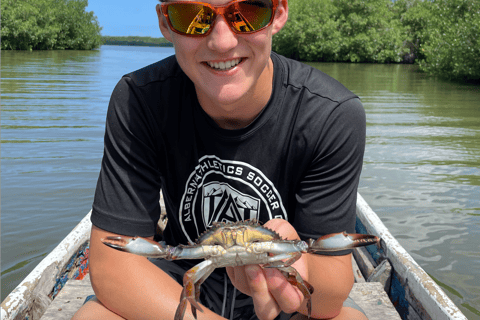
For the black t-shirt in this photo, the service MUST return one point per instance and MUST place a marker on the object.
(299, 160)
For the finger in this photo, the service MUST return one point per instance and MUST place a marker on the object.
(283, 228)
(239, 279)
(288, 297)
(266, 307)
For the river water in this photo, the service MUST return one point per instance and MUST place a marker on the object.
(421, 169)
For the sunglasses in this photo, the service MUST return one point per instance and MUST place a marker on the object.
(196, 19)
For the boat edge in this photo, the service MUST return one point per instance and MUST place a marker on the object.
(436, 304)
(46, 273)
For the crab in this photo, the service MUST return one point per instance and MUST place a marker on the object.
(237, 244)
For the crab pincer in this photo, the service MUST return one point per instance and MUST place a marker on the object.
(341, 241)
(140, 246)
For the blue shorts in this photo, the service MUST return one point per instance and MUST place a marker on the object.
(219, 295)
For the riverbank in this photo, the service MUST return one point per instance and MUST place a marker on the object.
(135, 41)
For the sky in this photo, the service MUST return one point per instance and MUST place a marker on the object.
(126, 17)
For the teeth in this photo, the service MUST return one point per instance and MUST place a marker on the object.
(224, 65)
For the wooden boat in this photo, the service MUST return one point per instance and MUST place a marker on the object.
(409, 288)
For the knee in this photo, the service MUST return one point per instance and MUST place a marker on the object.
(85, 312)
(355, 314)
(346, 313)
(92, 309)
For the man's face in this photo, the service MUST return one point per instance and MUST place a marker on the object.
(226, 67)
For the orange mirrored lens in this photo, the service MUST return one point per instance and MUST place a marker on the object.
(248, 16)
(196, 18)
(190, 18)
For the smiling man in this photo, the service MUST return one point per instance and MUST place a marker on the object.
(229, 131)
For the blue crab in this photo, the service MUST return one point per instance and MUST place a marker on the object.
(237, 244)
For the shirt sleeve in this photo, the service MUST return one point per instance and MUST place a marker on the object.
(326, 197)
(127, 193)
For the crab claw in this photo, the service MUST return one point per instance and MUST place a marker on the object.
(140, 246)
(341, 241)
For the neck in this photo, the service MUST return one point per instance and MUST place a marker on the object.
(233, 124)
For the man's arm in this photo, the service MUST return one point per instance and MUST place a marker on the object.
(133, 287)
(331, 277)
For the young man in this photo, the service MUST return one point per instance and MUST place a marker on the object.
(229, 131)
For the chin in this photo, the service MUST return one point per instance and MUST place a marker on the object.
(227, 96)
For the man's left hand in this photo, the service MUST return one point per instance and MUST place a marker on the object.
(270, 290)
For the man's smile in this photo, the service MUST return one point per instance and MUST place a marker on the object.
(224, 65)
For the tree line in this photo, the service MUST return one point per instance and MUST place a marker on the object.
(48, 25)
(441, 36)
(136, 41)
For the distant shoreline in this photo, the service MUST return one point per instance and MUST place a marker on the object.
(136, 41)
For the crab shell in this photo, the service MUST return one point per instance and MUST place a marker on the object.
(239, 233)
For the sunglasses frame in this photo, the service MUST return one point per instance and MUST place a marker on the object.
(218, 10)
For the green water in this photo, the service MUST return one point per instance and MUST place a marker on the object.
(421, 170)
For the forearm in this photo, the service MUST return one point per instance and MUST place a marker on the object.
(332, 279)
(133, 287)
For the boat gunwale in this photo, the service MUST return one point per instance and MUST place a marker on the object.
(436, 303)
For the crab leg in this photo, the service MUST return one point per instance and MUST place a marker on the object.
(292, 275)
(306, 288)
(277, 261)
(191, 288)
(142, 247)
(197, 292)
(151, 249)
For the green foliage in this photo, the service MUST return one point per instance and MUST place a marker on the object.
(136, 41)
(341, 30)
(310, 34)
(48, 24)
(369, 30)
(452, 48)
(441, 36)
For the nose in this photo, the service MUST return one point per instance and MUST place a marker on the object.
(221, 38)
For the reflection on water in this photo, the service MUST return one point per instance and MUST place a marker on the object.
(421, 171)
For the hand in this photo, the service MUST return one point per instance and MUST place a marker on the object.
(270, 290)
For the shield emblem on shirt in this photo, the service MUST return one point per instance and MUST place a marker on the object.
(222, 203)
(220, 190)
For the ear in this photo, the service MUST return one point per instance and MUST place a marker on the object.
(281, 16)
(162, 23)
